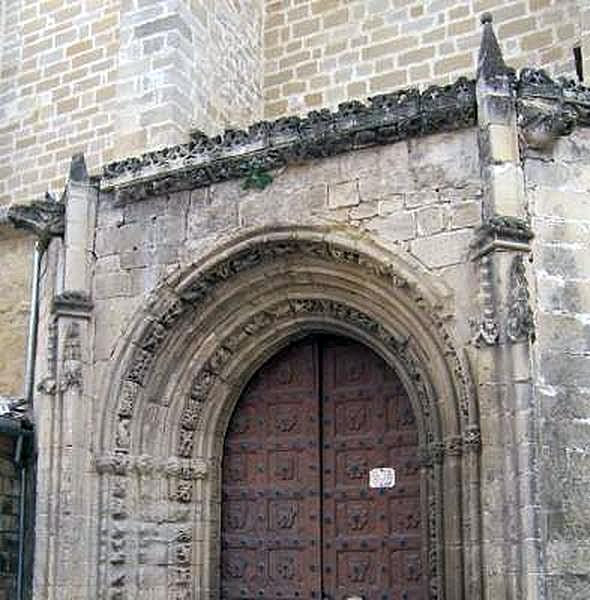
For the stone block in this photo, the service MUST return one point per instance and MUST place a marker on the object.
(430, 220)
(366, 210)
(564, 296)
(502, 143)
(556, 368)
(210, 211)
(465, 214)
(565, 260)
(395, 227)
(562, 334)
(112, 285)
(504, 190)
(173, 22)
(551, 202)
(345, 193)
(392, 204)
(443, 249)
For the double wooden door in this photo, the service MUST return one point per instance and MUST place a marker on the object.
(299, 518)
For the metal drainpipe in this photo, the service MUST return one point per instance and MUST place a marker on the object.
(28, 399)
(33, 322)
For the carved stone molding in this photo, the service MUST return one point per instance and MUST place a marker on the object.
(149, 466)
(198, 290)
(72, 303)
(206, 378)
(487, 331)
(383, 119)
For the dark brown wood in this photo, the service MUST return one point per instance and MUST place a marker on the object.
(271, 505)
(372, 538)
(299, 519)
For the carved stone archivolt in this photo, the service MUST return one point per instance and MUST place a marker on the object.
(232, 313)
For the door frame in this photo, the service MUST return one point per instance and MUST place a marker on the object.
(316, 349)
(192, 350)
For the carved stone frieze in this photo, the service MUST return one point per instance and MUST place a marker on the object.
(198, 290)
(149, 466)
(519, 323)
(487, 330)
(541, 122)
(157, 331)
(382, 119)
(502, 232)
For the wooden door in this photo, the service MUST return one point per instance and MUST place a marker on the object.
(299, 518)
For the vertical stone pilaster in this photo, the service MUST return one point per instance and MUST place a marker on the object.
(511, 531)
(65, 547)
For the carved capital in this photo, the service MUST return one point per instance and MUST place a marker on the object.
(72, 303)
(502, 232)
(44, 218)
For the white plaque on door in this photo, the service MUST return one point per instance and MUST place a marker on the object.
(382, 477)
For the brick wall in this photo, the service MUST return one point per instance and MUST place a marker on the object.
(16, 253)
(321, 52)
(58, 76)
(112, 78)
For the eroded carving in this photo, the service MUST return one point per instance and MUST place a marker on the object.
(71, 371)
(519, 325)
(44, 218)
(265, 146)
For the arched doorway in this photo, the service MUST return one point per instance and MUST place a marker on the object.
(300, 518)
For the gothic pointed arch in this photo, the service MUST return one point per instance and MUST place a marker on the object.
(201, 337)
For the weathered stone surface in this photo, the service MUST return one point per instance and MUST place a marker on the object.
(443, 249)
(16, 252)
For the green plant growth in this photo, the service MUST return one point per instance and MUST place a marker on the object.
(257, 179)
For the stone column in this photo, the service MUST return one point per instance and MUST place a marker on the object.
(64, 561)
(510, 507)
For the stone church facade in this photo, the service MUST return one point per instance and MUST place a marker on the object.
(237, 334)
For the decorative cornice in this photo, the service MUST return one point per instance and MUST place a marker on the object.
(383, 119)
(44, 218)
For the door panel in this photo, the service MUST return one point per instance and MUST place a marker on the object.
(299, 518)
(372, 538)
(270, 483)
